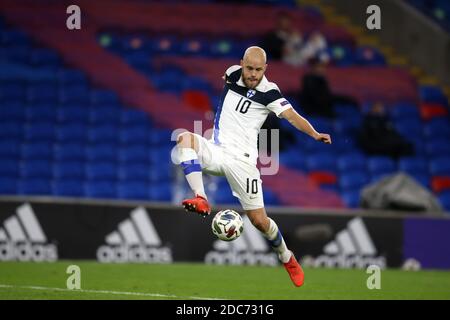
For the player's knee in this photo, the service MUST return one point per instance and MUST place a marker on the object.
(184, 139)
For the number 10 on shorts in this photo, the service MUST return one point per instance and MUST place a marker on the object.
(254, 186)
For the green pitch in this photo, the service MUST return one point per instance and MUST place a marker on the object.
(198, 281)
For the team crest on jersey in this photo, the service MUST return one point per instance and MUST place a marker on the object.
(250, 93)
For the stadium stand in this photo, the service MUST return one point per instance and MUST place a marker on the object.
(93, 116)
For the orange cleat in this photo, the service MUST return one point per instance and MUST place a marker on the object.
(295, 271)
(197, 204)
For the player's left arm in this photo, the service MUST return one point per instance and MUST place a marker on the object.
(303, 125)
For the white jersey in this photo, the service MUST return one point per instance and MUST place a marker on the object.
(243, 111)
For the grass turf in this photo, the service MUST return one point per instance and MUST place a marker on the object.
(20, 280)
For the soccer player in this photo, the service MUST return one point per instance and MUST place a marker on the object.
(247, 99)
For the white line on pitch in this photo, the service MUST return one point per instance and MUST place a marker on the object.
(125, 293)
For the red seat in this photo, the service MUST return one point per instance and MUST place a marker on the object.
(431, 110)
(440, 183)
(323, 177)
(197, 100)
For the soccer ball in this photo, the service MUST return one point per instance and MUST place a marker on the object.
(227, 225)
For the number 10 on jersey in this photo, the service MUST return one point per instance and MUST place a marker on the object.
(253, 187)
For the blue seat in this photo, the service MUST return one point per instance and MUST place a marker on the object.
(195, 83)
(432, 94)
(321, 162)
(70, 152)
(13, 36)
(103, 134)
(105, 116)
(224, 195)
(9, 149)
(438, 147)
(75, 93)
(380, 165)
(369, 56)
(422, 178)
(72, 133)
(102, 97)
(444, 199)
(101, 171)
(40, 131)
(9, 168)
(13, 91)
(11, 130)
(270, 198)
(34, 187)
(69, 170)
(106, 152)
(413, 164)
(43, 93)
(354, 180)
(440, 166)
(100, 189)
(159, 173)
(73, 115)
(160, 137)
(43, 56)
(400, 112)
(36, 169)
(71, 77)
(351, 198)
(8, 185)
(37, 151)
(194, 47)
(134, 190)
(410, 129)
(70, 188)
(161, 192)
(347, 126)
(161, 156)
(134, 135)
(41, 112)
(351, 162)
(134, 172)
(293, 158)
(435, 128)
(134, 154)
(134, 117)
(14, 111)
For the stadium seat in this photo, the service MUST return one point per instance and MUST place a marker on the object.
(40, 131)
(36, 169)
(12, 111)
(9, 168)
(11, 130)
(34, 187)
(134, 135)
(103, 97)
(71, 77)
(9, 149)
(73, 188)
(134, 172)
(440, 183)
(41, 112)
(103, 134)
(351, 199)
(413, 164)
(73, 115)
(8, 185)
(104, 116)
(440, 146)
(432, 110)
(270, 198)
(160, 137)
(135, 190)
(321, 162)
(352, 181)
(380, 165)
(37, 151)
(101, 171)
(72, 133)
(351, 162)
(100, 189)
(134, 117)
(444, 199)
(100, 152)
(440, 166)
(43, 93)
(70, 152)
(72, 170)
(135, 154)
(161, 192)
(432, 94)
(323, 177)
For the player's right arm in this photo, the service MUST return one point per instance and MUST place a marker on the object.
(303, 125)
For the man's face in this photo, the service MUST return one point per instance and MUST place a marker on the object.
(253, 71)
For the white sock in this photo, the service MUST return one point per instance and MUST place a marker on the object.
(277, 242)
(192, 169)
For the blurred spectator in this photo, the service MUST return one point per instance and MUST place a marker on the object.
(274, 43)
(379, 137)
(298, 53)
(316, 98)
